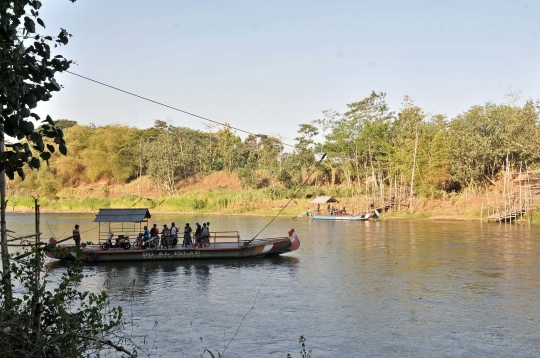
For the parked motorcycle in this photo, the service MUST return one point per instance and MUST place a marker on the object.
(119, 243)
(168, 241)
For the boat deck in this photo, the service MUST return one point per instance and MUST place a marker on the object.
(216, 246)
(221, 246)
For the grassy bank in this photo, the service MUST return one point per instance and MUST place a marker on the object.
(254, 202)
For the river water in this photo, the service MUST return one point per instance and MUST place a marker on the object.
(354, 289)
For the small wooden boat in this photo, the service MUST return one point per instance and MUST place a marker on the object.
(227, 244)
(372, 215)
(332, 213)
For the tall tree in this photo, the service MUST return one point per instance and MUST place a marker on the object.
(360, 137)
(39, 322)
(27, 70)
(229, 147)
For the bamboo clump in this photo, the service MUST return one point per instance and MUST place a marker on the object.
(520, 188)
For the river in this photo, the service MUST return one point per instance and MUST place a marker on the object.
(394, 288)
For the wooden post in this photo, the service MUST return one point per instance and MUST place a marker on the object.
(4, 246)
(37, 307)
(481, 212)
(411, 210)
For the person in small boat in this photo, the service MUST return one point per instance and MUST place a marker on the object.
(343, 212)
(198, 234)
(77, 236)
(187, 235)
(205, 233)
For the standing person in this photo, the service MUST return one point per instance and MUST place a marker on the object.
(164, 236)
(174, 233)
(77, 235)
(198, 234)
(205, 234)
(174, 230)
(187, 235)
(154, 231)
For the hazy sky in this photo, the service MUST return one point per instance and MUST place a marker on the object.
(268, 66)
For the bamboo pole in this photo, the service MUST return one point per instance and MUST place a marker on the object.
(411, 210)
(481, 212)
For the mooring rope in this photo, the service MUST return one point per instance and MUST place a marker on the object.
(294, 195)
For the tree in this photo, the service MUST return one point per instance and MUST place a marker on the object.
(483, 137)
(27, 71)
(53, 317)
(163, 157)
(37, 322)
(229, 146)
(26, 77)
(359, 138)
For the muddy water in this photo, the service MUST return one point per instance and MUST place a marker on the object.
(357, 289)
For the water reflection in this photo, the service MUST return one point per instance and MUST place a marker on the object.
(387, 288)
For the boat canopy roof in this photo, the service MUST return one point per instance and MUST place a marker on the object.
(324, 199)
(122, 215)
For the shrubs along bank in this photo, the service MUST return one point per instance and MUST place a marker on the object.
(372, 152)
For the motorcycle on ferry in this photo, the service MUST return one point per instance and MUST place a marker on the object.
(152, 242)
(168, 241)
(120, 242)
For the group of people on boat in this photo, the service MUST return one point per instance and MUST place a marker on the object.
(169, 236)
(331, 210)
(201, 235)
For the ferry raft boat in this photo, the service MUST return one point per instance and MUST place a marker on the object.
(127, 224)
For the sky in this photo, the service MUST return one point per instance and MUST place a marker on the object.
(268, 66)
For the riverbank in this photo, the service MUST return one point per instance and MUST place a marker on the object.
(260, 202)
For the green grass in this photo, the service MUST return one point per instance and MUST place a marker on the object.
(267, 201)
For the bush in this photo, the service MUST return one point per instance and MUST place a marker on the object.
(199, 204)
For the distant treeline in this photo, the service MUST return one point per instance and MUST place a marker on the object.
(370, 149)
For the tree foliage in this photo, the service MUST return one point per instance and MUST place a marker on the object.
(27, 71)
(369, 148)
(51, 316)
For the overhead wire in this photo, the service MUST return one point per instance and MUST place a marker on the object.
(292, 198)
(175, 109)
(168, 106)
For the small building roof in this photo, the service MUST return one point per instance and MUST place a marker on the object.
(324, 199)
(122, 215)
